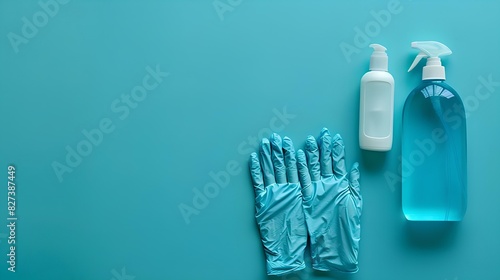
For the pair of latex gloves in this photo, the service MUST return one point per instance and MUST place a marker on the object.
(306, 193)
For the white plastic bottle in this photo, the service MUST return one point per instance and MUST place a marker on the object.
(376, 108)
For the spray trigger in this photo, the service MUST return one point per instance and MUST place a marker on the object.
(417, 60)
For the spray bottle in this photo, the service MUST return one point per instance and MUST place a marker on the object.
(434, 147)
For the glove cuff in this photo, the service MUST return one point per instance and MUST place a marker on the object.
(326, 258)
(281, 268)
(346, 269)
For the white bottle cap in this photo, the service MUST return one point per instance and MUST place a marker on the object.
(433, 70)
(379, 59)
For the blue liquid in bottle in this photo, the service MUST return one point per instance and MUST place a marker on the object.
(434, 160)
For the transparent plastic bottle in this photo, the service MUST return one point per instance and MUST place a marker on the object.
(434, 149)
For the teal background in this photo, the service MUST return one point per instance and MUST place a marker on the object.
(116, 215)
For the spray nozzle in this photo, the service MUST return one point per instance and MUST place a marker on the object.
(379, 59)
(432, 50)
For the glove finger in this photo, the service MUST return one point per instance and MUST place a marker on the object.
(256, 174)
(266, 162)
(354, 179)
(304, 177)
(290, 160)
(349, 234)
(278, 159)
(325, 152)
(338, 155)
(312, 154)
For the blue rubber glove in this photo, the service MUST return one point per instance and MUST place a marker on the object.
(332, 203)
(278, 205)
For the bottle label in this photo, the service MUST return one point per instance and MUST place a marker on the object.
(378, 114)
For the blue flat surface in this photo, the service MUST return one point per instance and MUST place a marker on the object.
(108, 147)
